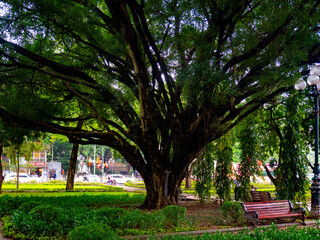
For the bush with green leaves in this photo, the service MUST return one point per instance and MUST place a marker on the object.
(173, 215)
(232, 212)
(42, 220)
(9, 203)
(272, 232)
(93, 231)
(26, 207)
(39, 218)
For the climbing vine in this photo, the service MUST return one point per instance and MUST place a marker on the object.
(249, 163)
(293, 163)
(204, 173)
(223, 179)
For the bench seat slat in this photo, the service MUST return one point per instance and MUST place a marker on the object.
(279, 215)
(262, 208)
(271, 210)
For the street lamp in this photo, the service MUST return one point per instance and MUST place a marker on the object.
(314, 82)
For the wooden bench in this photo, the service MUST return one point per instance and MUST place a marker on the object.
(256, 211)
(260, 196)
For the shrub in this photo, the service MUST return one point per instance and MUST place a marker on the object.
(46, 213)
(26, 207)
(93, 231)
(111, 215)
(9, 204)
(42, 220)
(232, 211)
(173, 215)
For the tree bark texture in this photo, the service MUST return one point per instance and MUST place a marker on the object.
(72, 166)
(157, 96)
(73, 163)
(188, 177)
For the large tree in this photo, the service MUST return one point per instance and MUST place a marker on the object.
(155, 80)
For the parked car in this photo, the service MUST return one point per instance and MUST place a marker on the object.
(92, 178)
(118, 178)
(35, 178)
(88, 178)
(23, 177)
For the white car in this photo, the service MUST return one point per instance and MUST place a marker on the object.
(92, 178)
(35, 178)
(23, 177)
(88, 178)
(119, 178)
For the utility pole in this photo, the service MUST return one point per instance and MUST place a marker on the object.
(94, 163)
(102, 163)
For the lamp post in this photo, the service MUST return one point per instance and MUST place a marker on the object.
(314, 82)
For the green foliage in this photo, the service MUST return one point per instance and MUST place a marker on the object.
(58, 217)
(224, 167)
(173, 215)
(232, 211)
(204, 172)
(144, 76)
(26, 207)
(272, 232)
(8, 204)
(249, 165)
(293, 163)
(59, 186)
(93, 231)
(8, 229)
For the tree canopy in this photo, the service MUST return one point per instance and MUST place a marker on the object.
(155, 80)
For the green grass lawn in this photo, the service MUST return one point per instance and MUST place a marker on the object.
(62, 194)
(58, 186)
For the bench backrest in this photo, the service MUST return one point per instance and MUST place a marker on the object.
(268, 208)
(260, 196)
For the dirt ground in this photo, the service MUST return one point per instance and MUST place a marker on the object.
(208, 216)
(204, 216)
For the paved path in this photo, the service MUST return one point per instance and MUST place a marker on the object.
(131, 189)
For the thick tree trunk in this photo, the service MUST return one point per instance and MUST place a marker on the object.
(72, 166)
(188, 177)
(162, 190)
(73, 162)
(1, 169)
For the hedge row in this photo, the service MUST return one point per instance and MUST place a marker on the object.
(267, 233)
(82, 217)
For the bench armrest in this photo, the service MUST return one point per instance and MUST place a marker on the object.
(252, 217)
(296, 210)
(299, 210)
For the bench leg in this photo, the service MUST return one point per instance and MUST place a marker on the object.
(252, 217)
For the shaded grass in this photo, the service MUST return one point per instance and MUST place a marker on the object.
(58, 186)
(62, 194)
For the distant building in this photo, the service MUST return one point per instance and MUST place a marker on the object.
(118, 167)
(54, 171)
(38, 164)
